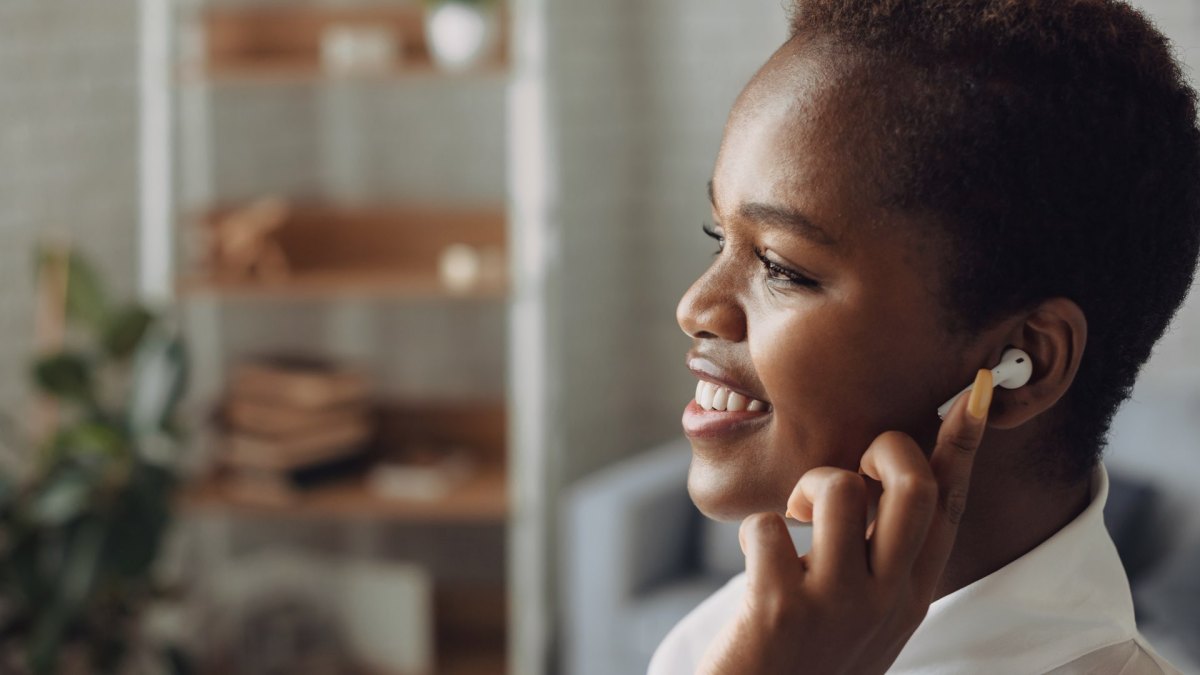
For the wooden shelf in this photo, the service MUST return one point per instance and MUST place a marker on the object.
(386, 250)
(483, 498)
(265, 45)
(341, 283)
(480, 662)
(471, 628)
(284, 73)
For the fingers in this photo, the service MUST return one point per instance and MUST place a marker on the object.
(771, 560)
(906, 507)
(951, 462)
(835, 501)
(918, 514)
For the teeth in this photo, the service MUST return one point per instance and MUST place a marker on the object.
(720, 399)
(715, 397)
(737, 402)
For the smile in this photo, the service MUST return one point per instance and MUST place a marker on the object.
(718, 413)
(718, 398)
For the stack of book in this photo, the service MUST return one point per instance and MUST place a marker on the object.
(291, 422)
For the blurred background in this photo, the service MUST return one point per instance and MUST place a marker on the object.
(339, 337)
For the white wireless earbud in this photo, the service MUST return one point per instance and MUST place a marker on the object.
(1014, 371)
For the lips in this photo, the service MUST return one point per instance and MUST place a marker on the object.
(724, 406)
(716, 397)
(708, 371)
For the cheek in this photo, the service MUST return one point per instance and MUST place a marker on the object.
(837, 376)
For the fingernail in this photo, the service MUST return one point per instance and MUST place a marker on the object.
(981, 394)
(788, 513)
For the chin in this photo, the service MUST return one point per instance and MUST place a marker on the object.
(721, 494)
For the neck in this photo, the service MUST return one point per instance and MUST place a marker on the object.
(1007, 515)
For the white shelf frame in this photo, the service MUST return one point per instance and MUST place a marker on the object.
(533, 354)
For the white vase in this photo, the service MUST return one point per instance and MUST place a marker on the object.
(461, 34)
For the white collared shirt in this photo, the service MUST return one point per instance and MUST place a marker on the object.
(1063, 608)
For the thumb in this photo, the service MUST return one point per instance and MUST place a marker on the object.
(771, 560)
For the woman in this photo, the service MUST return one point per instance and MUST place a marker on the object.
(904, 191)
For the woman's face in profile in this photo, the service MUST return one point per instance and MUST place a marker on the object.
(819, 303)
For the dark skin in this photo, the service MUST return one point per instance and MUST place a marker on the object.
(854, 358)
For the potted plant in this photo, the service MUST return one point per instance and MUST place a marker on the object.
(85, 496)
(461, 33)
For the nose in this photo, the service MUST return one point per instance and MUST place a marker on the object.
(710, 308)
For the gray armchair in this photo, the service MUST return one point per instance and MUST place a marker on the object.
(638, 556)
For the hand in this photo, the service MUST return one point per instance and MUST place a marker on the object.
(851, 604)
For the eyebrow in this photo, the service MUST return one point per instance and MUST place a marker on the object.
(782, 217)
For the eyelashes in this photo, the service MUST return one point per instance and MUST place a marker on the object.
(775, 271)
(712, 232)
(781, 273)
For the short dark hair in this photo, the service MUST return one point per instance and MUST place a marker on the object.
(1055, 144)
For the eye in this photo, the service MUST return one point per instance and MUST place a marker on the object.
(778, 272)
(711, 231)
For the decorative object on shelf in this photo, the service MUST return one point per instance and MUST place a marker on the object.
(312, 384)
(283, 611)
(459, 267)
(463, 267)
(461, 33)
(360, 49)
(424, 473)
(387, 608)
(244, 244)
(292, 421)
(389, 249)
(290, 41)
(85, 498)
(274, 613)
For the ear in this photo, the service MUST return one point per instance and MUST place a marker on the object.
(1054, 335)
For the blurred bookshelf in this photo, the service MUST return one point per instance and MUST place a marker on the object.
(265, 44)
(298, 73)
(342, 283)
(385, 251)
(481, 499)
(479, 496)
(279, 242)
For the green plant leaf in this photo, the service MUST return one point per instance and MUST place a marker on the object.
(72, 591)
(63, 497)
(159, 380)
(177, 660)
(8, 493)
(125, 329)
(66, 375)
(22, 569)
(85, 293)
(91, 440)
(139, 521)
(85, 301)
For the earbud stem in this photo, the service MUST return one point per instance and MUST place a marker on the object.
(944, 409)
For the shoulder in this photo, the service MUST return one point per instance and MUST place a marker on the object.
(681, 649)
(1131, 657)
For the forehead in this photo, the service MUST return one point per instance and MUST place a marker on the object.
(802, 135)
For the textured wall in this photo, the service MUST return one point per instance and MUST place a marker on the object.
(439, 140)
(639, 95)
(68, 151)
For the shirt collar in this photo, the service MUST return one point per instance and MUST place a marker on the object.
(1066, 597)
